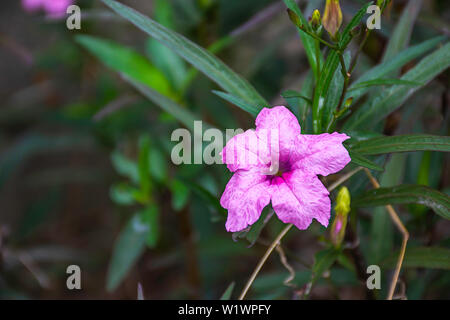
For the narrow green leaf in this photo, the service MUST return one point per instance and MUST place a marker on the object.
(165, 59)
(211, 200)
(323, 260)
(359, 160)
(383, 104)
(300, 102)
(125, 166)
(392, 65)
(127, 61)
(252, 233)
(180, 194)
(252, 109)
(321, 90)
(381, 227)
(227, 294)
(307, 40)
(334, 92)
(123, 194)
(405, 194)
(180, 113)
(384, 82)
(143, 164)
(158, 165)
(150, 216)
(399, 38)
(203, 60)
(129, 246)
(403, 143)
(422, 257)
(294, 94)
(346, 36)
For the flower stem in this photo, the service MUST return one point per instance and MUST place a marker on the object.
(266, 255)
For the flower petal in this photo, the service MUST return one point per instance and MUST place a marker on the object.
(245, 151)
(281, 124)
(245, 196)
(298, 197)
(321, 154)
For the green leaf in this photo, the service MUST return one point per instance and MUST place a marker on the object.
(307, 40)
(403, 143)
(180, 113)
(128, 248)
(321, 90)
(334, 92)
(227, 294)
(125, 166)
(203, 60)
(399, 38)
(253, 110)
(127, 61)
(359, 160)
(381, 228)
(252, 233)
(158, 166)
(329, 69)
(405, 194)
(173, 67)
(180, 194)
(323, 260)
(391, 65)
(123, 194)
(210, 199)
(346, 36)
(294, 94)
(384, 82)
(300, 102)
(143, 165)
(423, 257)
(383, 104)
(162, 57)
(149, 216)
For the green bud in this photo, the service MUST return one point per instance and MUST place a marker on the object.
(342, 209)
(294, 18)
(348, 102)
(315, 19)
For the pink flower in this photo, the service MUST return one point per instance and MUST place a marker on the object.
(32, 5)
(296, 192)
(53, 8)
(56, 8)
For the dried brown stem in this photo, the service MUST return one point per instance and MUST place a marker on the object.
(405, 234)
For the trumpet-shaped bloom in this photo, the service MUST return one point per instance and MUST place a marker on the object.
(275, 163)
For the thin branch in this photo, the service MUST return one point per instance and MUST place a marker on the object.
(266, 255)
(405, 234)
(289, 268)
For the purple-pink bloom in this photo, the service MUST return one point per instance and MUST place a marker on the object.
(296, 193)
(32, 5)
(53, 8)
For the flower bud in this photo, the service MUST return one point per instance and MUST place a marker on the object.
(294, 18)
(315, 19)
(348, 102)
(342, 209)
(332, 18)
